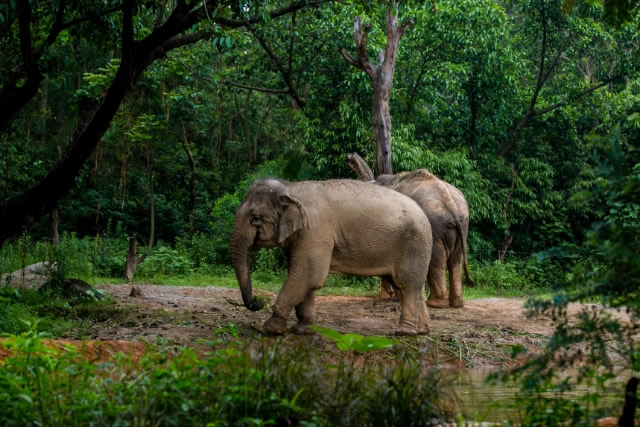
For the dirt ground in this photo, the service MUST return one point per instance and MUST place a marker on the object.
(479, 335)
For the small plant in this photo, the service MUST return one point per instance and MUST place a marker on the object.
(355, 342)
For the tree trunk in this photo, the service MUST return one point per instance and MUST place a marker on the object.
(53, 220)
(382, 77)
(133, 260)
(360, 167)
(55, 236)
(192, 181)
(504, 246)
(472, 93)
(152, 203)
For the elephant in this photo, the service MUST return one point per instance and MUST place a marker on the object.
(448, 213)
(335, 226)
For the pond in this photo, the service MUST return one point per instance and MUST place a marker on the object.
(495, 402)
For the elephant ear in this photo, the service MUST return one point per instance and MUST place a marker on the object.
(293, 218)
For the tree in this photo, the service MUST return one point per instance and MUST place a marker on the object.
(381, 76)
(186, 23)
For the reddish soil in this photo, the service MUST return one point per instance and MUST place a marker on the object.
(92, 350)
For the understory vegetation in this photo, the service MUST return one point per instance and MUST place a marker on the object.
(233, 385)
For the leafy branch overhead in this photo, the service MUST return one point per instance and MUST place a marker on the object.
(180, 28)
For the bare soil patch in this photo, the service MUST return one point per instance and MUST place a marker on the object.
(479, 335)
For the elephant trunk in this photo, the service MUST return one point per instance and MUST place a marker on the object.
(240, 245)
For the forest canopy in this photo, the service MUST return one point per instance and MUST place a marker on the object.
(149, 116)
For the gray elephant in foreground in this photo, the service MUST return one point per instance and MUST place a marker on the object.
(338, 226)
(448, 213)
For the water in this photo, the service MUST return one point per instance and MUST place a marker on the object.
(481, 401)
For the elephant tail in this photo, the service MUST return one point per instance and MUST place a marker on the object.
(467, 276)
(461, 235)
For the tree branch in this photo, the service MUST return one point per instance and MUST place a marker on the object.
(360, 37)
(21, 211)
(577, 95)
(296, 5)
(285, 75)
(259, 89)
(350, 58)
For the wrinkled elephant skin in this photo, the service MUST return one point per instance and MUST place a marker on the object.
(338, 226)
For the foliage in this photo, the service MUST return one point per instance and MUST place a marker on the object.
(607, 272)
(229, 385)
(355, 342)
(55, 315)
(165, 261)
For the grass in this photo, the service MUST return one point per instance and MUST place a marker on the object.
(335, 285)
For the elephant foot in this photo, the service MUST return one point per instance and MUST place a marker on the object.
(405, 331)
(424, 330)
(456, 303)
(275, 325)
(302, 329)
(437, 303)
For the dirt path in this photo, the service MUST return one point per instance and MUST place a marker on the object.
(480, 335)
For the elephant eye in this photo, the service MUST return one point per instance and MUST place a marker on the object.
(255, 219)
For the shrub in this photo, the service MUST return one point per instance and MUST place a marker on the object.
(165, 261)
(269, 384)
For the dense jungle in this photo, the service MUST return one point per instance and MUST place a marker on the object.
(136, 137)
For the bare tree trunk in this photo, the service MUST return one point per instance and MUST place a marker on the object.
(133, 260)
(55, 236)
(43, 112)
(382, 78)
(192, 181)
(244, 116)
(472, 93)
(53, 220)
(504, 246)
(152, 203)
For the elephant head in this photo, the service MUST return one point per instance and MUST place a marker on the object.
(267, 217)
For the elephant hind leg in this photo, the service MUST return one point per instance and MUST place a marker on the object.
(438, 294)
(455, 278)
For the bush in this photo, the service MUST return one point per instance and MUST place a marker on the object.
(165, 261)
(271, 384)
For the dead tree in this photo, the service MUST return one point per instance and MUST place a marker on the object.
(382, 77)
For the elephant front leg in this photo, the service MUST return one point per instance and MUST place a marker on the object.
(305, 312)
(306, 274)
(290, 295)
(414, 318)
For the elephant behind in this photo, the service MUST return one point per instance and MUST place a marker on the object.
(448, 213)
(338, 226)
